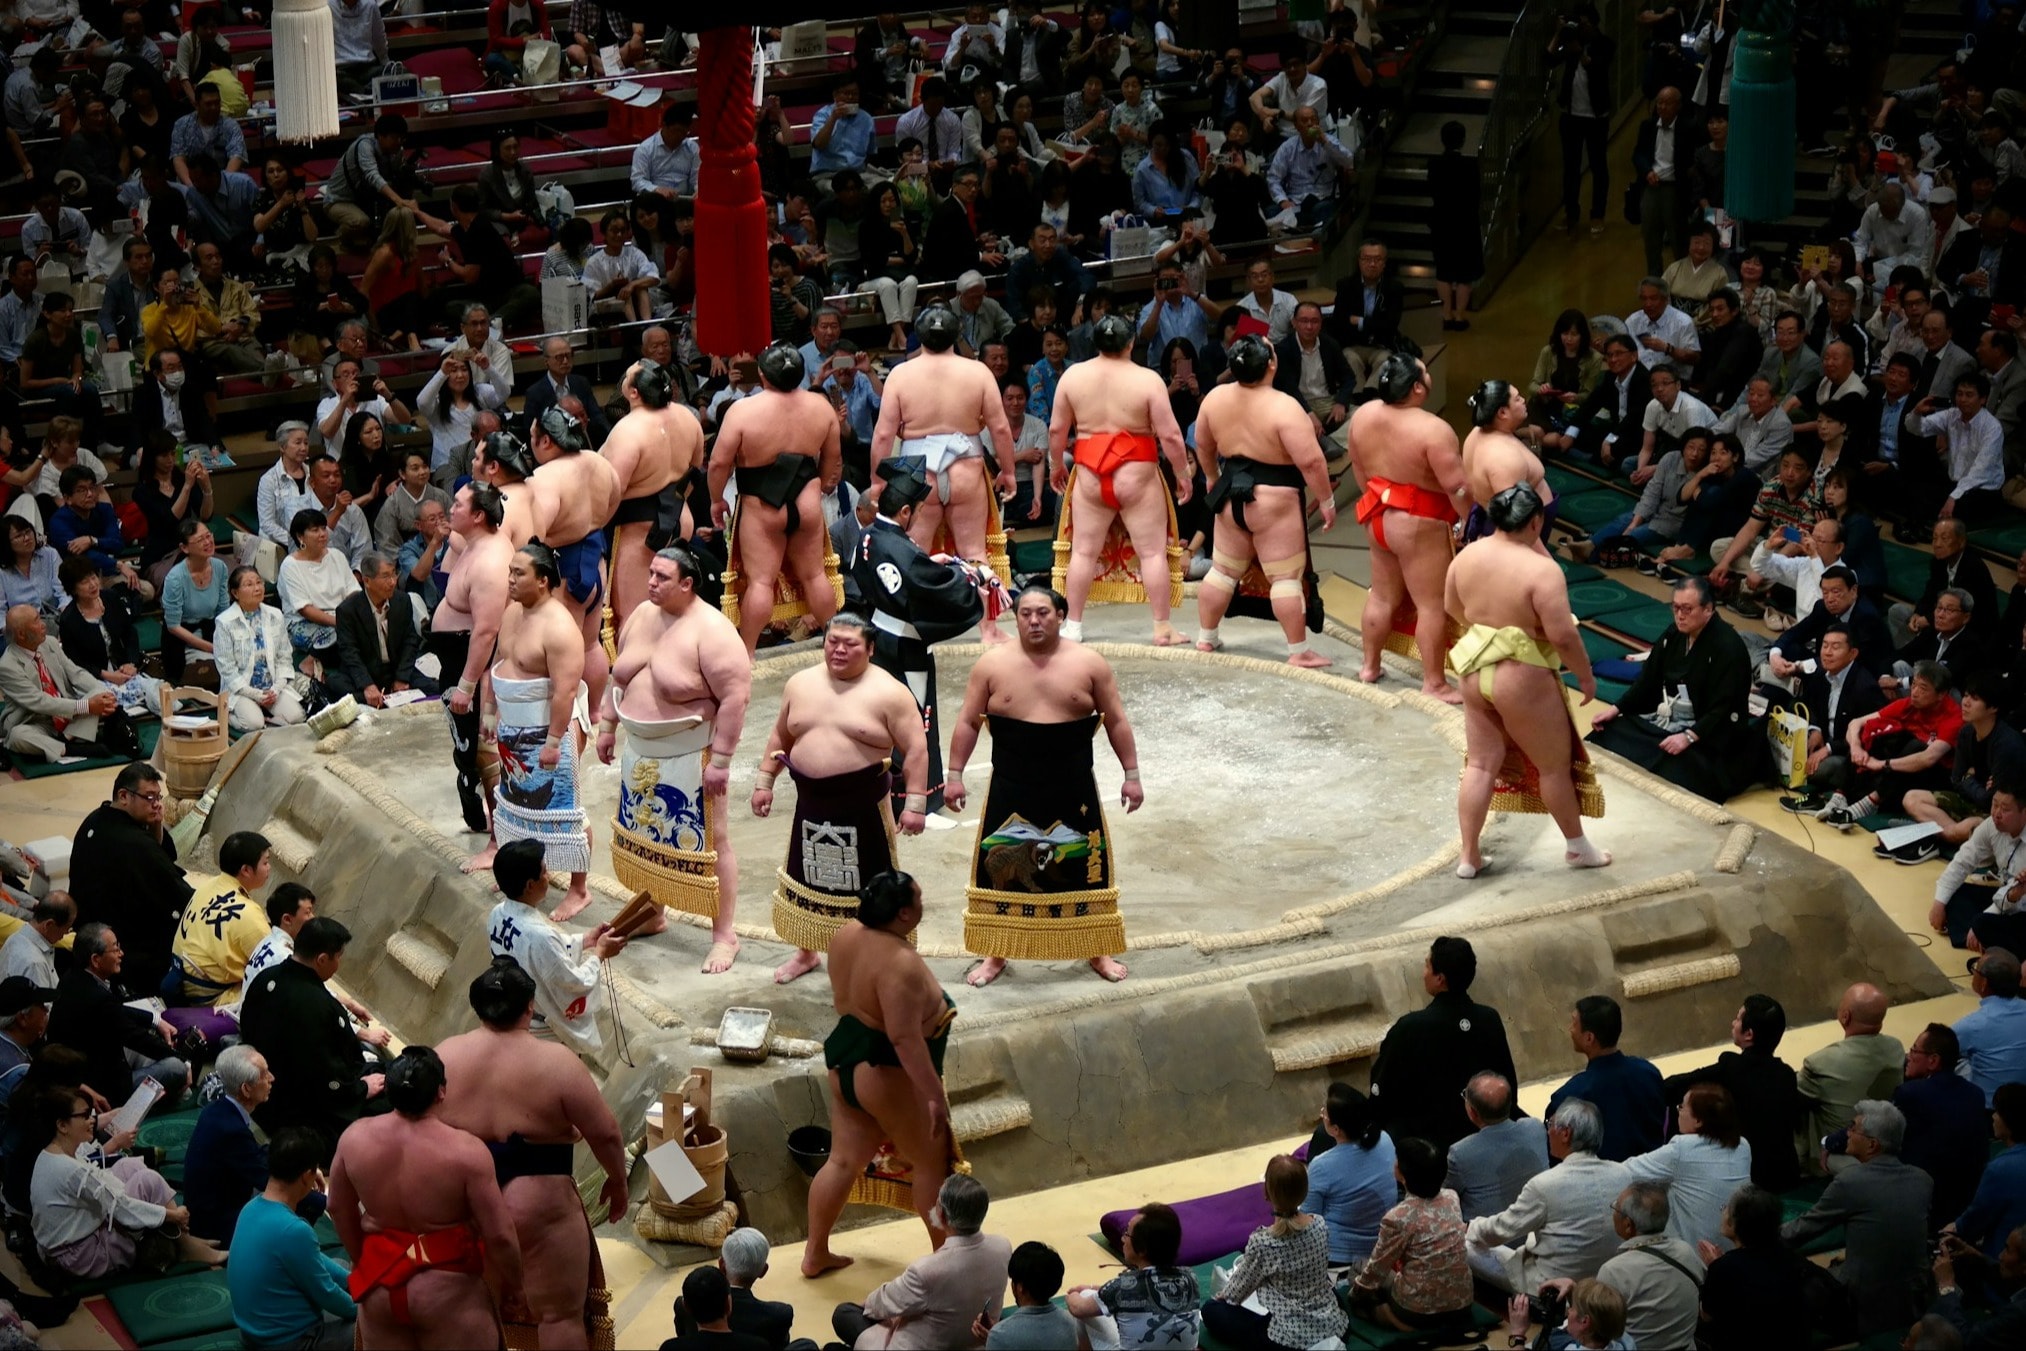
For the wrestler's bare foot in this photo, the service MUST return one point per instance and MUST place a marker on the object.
(1166, 635)
(657, 925)
(482, 860)
(801, 964)
(1215, 645)
(1111, 968)
(724, 951)
(1371, 675)
(1309, 659)
(574, 900)
(985, 972)
(1580, 853)
(1448, 694)
(814, 1264)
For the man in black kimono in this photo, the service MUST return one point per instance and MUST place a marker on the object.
(1429, 1055)
(123, 872)
(320, 1069)
(915, 600)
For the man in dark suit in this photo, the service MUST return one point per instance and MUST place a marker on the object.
(1365, 320)
(1031, 38)
(1313, 371)
(1720, 752)
(1430, 1054)
(1952, 641)
(123, 872)
(166, 402)
(1762, 1086)
(559, 379)
(377, 638)
(1883, 1206)
(743, 1259)
(91, 1017)
(1586, 99)
(291, 1018)
(226, 1166)
(1729, 353)
(1953, 566)
(1984, 269)
(954, 243)
(1611, 419)
(1842, 603)
(1661, 157)
(1837, 689)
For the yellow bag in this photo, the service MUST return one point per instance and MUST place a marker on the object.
(1787, 730)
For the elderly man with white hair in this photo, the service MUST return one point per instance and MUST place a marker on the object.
(980, 319)
(1894, 230)
(53, 707)
(932, 1305)
(1882, 1204)
(1561, 1226)
(227, 1165)
(1659, 1277)
(743, 1259)
(30, 951)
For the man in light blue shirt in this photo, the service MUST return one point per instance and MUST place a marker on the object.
(1993, 1035)
(20, 307)
(841, 134)
(1304, 173)
(360, 36)
(1488, 1169)
(861, 390)
(1176, 311)
(666, 162)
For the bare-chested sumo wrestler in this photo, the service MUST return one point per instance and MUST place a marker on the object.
(421, 1216)
(1494, 458)
(652, 450)
(575, 494)
(463, 633)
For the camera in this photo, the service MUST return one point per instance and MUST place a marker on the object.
(1169, 284)
(1547, 1308)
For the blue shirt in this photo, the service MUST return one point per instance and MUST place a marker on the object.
(1183, 320)
(227, 216)
(281, 1285)
(1993, 1038)
(102, 523)
(1352, 1188)
(1999, 1206)
(222, 140)
(1042, 377)
(1625, 1090)
(850, 143)
(1890, 413)
(861, 405)
(1155, 193)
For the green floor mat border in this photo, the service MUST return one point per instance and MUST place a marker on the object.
(174, 1306)
(149, 731)
(1644, 622)
(1603, 647)
(1906, 569)
(1593, 600)
(2007, 541)
(1574, 572)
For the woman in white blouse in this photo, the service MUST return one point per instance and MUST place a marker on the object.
(449, 403)
(1702, 1166)
(86, 1217)
(313, 581)
(250, 647)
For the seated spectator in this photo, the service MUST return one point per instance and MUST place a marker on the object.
(285, 226)
(52, 365)
(666, 163)
(63, 448)
(1567, 368)
(1988, 753)
(30, 951)
(206, 131)
(1286, 1264)
(29, 576)
(1659, 1276)
(99, 636)
(395, 283)
(1906, 744)
(222, 207)
(229, 302)
(365, 464)
(167, 496)
(1992, 1036)
(122, 1045)
(320, 1071)
(484, 266)
(1954, 566)
(1487, 1170)
(1595, 1320)
(1749, 1294)
(1790, 365)
(87, 1218)
(224, 1165)
(561, 381)
(743, 1260)
(1692, 278)
(52, 706)
(1729, 349)
(400, 515)
(1774, 573)
(508, 27)
(1976, 450)
(841, 134)
(1624, 1089)
(251, 647)
(1701, 1167)
(1351, 1185)
(1669, 417)
(937, 1300)
(449, 403)
(285, 1292)
(2007, 1278)
(1882, 1202)
(1952, 642)
(1034, 1323)
(194, 594)
(703, 1317)
(1153, 1302)
(378, 640)
(314, 580)
(1842, 605)
(361, 37)
(1416, 1277)
(1611, 418)
(1760, 425)
(1561, 1224)
(1164, 183)
(1761, 1088)
(350, 535)
(371, 177)
(87, 528)
(323, 302)
(223, 924)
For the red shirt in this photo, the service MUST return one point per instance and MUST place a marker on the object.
(1941, 722)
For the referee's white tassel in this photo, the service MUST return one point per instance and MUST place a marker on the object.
(305, 71)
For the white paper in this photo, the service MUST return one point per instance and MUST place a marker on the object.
(624, 90)
(1892, 837)
(673, 1170)
(134, 1110)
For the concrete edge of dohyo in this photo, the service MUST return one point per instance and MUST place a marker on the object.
(1304, 922)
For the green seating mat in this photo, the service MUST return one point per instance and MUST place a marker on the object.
(1796, 1203)
(225, 1339)
(176, 1306)
(1031, 555)
(1360, 1333)
(1603, 647)
(1595, 509)
(2007, 539)
(1906, 569)
(1573, 572)
(1568, 481)
(1646, 621)
(1596, 599)
(148, 729)
(170, 1132)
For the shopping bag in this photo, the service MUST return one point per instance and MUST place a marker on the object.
(542, 64)
(1787, 730)
(1131, 246)
(52, 274)
(566, 306)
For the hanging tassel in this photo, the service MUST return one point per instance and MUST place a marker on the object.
(1759, 163)
(305, 71)
(733, 311)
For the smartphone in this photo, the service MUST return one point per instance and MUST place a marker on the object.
(1791, 534)
(1184, 368)
(1892, 295)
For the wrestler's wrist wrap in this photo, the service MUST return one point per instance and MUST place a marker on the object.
(765, 782)
(1132, 776)
(468, 686)
(955, 776)
(916, 802)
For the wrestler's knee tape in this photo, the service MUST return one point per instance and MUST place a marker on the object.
(1219, 580)
(488, 764)
(1281, 569)
(1285, 586)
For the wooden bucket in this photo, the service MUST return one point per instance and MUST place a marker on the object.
(190, 758)
(708, 1150)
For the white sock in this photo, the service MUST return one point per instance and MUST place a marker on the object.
(1072, 629)
(1466, 872)
(1207, 637)
(1580, 853)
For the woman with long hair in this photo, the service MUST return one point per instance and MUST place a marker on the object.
(365, 460)
(1863, 551)
(1351, 1184)
(979, 119)
(449, 404)
(1287, 1264)
(566, 257)
(168, 495)
(394, 282)
(1164, 186)
(1567, 368)
(889, 251)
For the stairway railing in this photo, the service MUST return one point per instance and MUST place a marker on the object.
(1522, 102)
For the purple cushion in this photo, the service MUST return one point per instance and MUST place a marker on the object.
(1212, 1226)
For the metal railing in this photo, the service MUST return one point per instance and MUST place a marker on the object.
(1521, 102)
